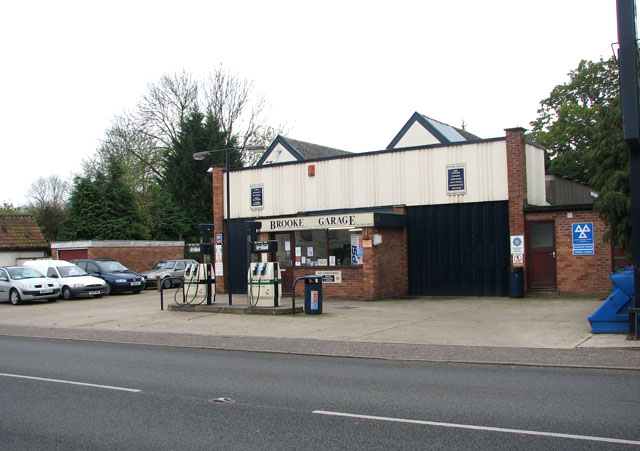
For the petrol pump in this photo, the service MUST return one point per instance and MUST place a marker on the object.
(264, 284)
(199, 283)
(200, 278)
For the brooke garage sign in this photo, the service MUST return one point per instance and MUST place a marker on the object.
(317, 222)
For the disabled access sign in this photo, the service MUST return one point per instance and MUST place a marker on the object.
(582, 238)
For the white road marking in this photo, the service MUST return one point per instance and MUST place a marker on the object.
(480, 428)
(59, 381)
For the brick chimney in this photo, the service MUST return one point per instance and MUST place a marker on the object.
(517, 178)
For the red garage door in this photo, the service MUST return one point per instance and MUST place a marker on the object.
(70, 254)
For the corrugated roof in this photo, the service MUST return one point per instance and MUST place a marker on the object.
(311, 151)
(20, 232)
(453, 134)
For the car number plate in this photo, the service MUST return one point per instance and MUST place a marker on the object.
(94, 292)
(135, 284)
(46, 291)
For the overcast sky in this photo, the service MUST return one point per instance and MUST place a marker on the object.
(345, 74)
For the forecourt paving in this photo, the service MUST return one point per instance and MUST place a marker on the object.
(530, 331)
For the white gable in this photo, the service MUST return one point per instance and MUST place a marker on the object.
(279, 154)
(417, 135)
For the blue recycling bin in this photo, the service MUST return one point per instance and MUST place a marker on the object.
(516, 282)
(612, 317)
(313, 295)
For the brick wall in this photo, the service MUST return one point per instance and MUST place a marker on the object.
(350, 288)
(138, 258)
(392, 277)
(579, 274)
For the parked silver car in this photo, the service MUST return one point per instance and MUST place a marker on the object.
(165, 269)
(20, 283)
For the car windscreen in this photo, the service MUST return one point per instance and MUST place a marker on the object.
(167, 264)
(112, 266)
(23, 273)
(71, 271)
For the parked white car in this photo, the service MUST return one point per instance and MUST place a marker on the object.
(74, 281)
(18, 284)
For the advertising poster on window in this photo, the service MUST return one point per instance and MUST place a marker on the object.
(356, 250)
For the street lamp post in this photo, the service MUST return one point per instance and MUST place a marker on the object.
(201, 156)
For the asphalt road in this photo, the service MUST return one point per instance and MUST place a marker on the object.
(155, 397)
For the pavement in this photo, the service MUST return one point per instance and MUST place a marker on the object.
(538, 331)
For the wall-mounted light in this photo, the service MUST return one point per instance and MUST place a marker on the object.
(311, 170)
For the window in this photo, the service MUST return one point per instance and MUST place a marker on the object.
(340, 246)
(92, 268)
(542, 234)
(327, 247)
(311, 248)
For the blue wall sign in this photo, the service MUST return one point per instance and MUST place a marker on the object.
(256, 197)
(456, 182)
(583, 243)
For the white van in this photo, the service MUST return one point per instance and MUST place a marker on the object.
(74, 281)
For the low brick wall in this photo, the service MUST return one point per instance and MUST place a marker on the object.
(136, 255)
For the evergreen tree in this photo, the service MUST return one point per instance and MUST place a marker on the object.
(103, 208)
(166, 219)
(185, 180)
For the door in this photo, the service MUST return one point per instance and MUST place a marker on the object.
(4, 285)
(541, 255)
(70, 254)
(458, 249)
(283, 257)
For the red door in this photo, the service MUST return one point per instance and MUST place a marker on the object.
(283, 257)
(70, 254)
(541, 255)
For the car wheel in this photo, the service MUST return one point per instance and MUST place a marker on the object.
(109, 289)
(66, 293)
(14, 297)
(166, 283)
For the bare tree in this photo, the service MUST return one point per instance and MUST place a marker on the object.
(167, 104)
(52, 191)
(239, 110)
(47, 202)
(127, 140)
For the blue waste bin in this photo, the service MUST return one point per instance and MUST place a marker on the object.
(516, 282)
(313, 295)
(612, 317)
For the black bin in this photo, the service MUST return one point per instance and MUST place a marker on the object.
(516, 282)
(313, 295)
